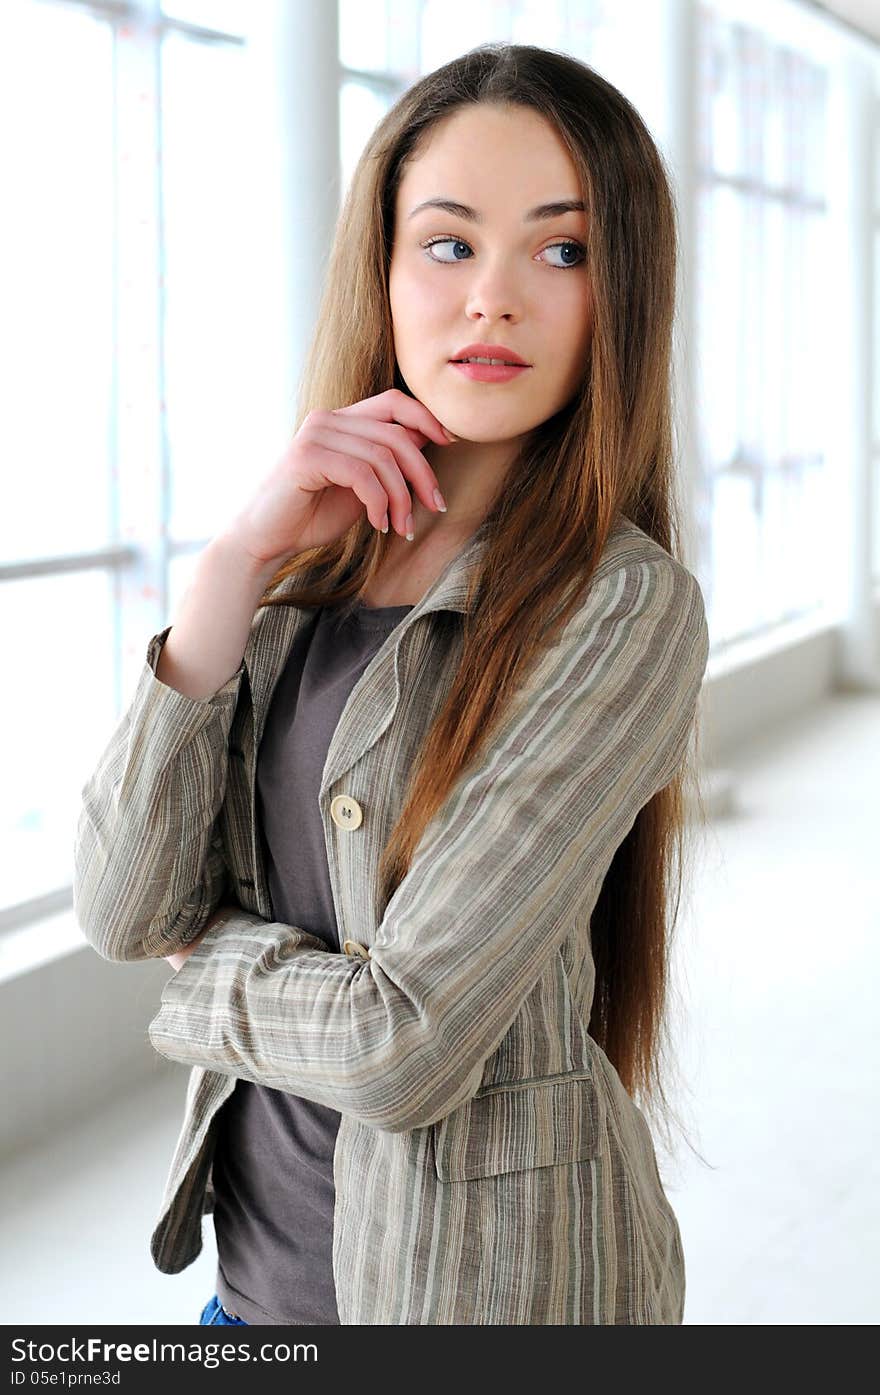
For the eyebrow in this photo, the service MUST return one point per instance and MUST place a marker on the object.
(534, 215)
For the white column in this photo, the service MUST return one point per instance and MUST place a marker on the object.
(677, 136)
(850, 337)
(294, 49)
(138, 465)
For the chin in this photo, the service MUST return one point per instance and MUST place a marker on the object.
(487, 435)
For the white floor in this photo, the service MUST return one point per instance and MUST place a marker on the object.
(77, 1220)
(781, 1050)
(777, 962)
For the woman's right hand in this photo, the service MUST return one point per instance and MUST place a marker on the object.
(339, 463)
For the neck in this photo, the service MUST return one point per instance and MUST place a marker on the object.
(470, 475)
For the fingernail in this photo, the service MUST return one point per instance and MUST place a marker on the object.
(439, 501)
(409, 528)
(449, 435)
(385, 524)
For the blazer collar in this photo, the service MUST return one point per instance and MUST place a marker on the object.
(373, 700)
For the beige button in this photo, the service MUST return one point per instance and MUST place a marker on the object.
(346, 812)
(352, 947)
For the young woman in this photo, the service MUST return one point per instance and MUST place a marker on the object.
(449, 742)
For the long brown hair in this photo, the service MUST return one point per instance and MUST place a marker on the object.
(608, 452)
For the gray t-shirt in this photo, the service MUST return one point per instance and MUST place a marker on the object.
(273, 1158)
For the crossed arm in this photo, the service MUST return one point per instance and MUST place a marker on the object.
(401, 1039)
(175, 960)
(513, 860)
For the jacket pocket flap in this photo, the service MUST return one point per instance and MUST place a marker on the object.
(519, 1126)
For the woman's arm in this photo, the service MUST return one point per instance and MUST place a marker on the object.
(175, 960)
(207, 642)
(512, 863)
(173, 736)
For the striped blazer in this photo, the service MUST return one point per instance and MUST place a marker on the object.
(489, 1165)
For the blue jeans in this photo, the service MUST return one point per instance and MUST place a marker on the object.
(215, 1315)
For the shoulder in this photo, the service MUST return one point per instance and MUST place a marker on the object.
(630, 658)
(644, 576)
(641, 621)
(629, 546)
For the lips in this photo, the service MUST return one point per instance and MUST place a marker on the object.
(490, 372)
(500, 351)
(487, 360)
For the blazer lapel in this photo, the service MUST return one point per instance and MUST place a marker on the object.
(373, 701)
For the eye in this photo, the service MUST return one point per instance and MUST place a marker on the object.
(580, 251)
(442, 241)
(457, 242)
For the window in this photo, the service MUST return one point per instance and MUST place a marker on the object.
(875, 385)
(763, 481)
(385, 45)
(126, 354)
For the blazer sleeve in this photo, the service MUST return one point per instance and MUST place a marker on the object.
(511, 862)
(145, 881)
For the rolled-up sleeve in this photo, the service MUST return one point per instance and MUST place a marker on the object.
(148, 864)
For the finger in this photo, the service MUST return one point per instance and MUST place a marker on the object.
(409, 459)
(358, 463)
(395, 405)
(418, 438)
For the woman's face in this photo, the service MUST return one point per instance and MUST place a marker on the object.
(494, 277)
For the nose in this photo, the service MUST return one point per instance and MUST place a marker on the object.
(493, 295)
